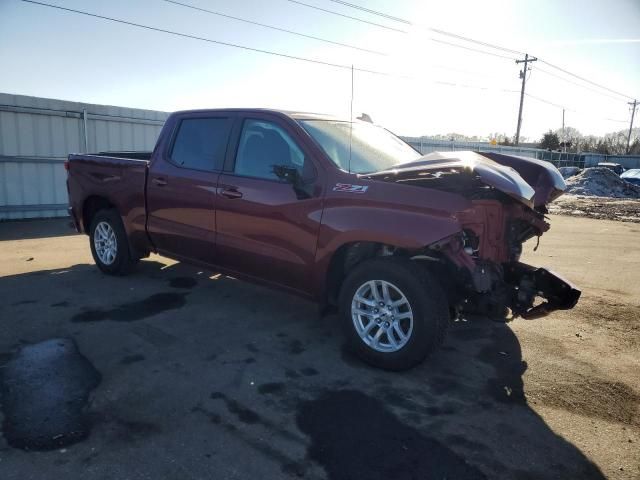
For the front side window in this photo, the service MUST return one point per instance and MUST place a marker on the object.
(263, 145)
(359, 147)
(201, 143)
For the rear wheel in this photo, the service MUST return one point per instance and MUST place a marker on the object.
(394, 313)
(109, 244)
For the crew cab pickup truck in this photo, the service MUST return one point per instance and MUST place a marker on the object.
(344, 213)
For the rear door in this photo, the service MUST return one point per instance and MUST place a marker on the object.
(265, 228)
(181, 198)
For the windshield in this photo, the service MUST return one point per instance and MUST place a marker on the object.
(372, 148)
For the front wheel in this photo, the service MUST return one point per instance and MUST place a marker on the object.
(109, 244)
(394, 313)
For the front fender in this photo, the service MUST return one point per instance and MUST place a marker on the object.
(409, 230)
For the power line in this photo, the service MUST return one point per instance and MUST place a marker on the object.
(546, 72)
(332, 12)
(435, 30)
(243, 47)
(470, 48)
(562, 107)
(476, 73)
(467, 39)
(239, 19)
(475, 87)
(471, 40)
(209, 40)
(278, 54)
(542, 100)
(373, 12)
(586, 80)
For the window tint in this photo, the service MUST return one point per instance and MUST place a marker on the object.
(201, 143)
(263, 145)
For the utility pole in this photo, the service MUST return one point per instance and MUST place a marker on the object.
(634, 105)
(523, 75)
(564, 142)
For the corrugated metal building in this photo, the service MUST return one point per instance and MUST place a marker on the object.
(37, 134)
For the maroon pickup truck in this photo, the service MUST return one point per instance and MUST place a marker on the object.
(346, 214)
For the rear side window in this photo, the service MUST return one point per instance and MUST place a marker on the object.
(200, 143)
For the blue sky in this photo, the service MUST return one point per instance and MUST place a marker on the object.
(49, 53)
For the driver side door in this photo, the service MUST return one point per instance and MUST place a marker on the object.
(264, 229)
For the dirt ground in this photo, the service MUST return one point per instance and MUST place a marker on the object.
(197, 375)
(622, 209)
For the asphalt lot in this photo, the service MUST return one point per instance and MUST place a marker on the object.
(189, 374)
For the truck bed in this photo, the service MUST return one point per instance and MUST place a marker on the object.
(133, 155)
(118, 177)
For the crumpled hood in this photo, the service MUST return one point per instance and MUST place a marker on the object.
(544, 177)
(532, 182)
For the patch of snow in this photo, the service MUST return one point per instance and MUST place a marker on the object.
(601, 182)
(568, 172)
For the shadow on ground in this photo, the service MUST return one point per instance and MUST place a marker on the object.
(31, 229)
(260, 385)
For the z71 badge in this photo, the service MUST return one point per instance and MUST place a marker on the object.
(348, 187)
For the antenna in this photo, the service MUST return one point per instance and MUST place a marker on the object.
(351, 119)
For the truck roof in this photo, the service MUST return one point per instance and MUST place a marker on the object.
(297, 115)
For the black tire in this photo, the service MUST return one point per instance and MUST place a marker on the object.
(426, 298)
(123, 262)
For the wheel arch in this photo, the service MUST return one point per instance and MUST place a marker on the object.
(348, 256)
(401, 231)
(92, 205)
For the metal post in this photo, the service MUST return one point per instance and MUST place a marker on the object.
(633, 104)
(564, 141)
(523, 74)
(86, 134)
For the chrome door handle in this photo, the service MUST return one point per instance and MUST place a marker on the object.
(161, 182)
(231, 193)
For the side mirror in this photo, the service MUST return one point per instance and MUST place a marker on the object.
(291, 175)
(286, 173)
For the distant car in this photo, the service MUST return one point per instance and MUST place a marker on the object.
(616, 167)
(632, 176)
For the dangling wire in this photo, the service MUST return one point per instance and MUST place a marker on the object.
(351, 119)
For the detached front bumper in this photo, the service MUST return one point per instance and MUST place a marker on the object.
(532, 284)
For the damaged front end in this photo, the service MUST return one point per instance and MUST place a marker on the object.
(488, 277)
(505, 211)
(491, 242)
(530, 283)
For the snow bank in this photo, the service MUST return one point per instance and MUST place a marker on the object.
(601, 182)
(567, 172)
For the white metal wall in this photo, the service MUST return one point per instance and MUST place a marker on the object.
(37, 134)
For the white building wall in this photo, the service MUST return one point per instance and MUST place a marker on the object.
(37, 134)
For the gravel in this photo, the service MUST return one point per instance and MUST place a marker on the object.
(621, 209)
